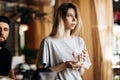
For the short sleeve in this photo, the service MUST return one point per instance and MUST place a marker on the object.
(44, 53)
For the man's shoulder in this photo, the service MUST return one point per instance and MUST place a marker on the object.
(6, 50)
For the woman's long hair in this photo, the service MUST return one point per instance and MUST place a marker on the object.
(58, 29)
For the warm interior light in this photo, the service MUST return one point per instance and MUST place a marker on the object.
(116, 30)
(116, 0)
(18, 19)
(24, 27)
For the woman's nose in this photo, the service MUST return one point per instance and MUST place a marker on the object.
(74, 19)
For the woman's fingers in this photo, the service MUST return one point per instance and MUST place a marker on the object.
(73, 64)
(82, 56)
(70, 64)
(79, 60)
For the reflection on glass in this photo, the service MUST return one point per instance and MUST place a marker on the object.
(48, 75)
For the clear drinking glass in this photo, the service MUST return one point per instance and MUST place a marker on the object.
(76, 54)
(48, 75)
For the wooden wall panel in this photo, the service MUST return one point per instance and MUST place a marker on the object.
(39, 27)
(85, 11)
(34, 34)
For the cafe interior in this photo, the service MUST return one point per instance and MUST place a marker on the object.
(32, 21)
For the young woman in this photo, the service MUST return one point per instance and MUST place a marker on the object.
(63, 51)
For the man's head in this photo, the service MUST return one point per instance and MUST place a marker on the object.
(4, 30)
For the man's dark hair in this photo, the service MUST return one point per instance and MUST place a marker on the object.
(5, 19)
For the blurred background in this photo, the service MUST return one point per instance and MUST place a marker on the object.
(32, 21)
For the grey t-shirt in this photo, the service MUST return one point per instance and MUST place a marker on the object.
(54, 51)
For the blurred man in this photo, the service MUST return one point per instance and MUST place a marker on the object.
(5, 55)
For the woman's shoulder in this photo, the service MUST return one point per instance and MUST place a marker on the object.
(78, 38)
(48, 39)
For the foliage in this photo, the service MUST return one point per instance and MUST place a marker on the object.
(30, 54)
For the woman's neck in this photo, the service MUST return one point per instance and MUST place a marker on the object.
(67, 34)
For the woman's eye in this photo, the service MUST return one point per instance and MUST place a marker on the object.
(69, 15)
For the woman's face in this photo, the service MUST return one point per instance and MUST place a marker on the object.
(70, 19)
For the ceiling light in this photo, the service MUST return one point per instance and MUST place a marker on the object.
(116, 0)
(24, 27)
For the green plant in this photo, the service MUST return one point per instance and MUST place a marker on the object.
(30, 54)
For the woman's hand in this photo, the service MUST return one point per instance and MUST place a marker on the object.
(72, 64)
(82, 56)
(79, 59)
